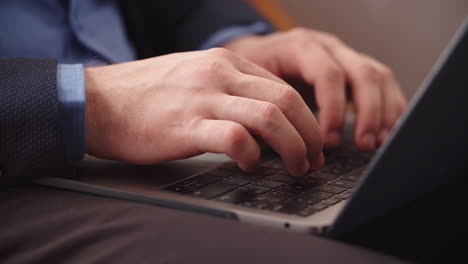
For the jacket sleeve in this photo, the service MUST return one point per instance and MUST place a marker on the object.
(31, 141)
(166, 26)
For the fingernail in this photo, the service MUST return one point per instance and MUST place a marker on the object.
(383, 135)
(333, 138)
(369, 141)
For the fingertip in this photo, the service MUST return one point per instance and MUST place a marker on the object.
(318, 162)
(301, 169)
(333, 138)
(367, 142)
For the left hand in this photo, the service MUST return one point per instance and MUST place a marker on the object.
(324, 61)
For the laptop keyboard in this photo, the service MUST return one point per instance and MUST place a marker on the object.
(270, 187)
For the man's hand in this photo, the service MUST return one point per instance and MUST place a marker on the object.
(184, 104)
(324, 61)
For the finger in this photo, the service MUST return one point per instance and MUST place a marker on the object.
(251, 68)
(231, 138)
(319, 69)
(367, 88)
(244, 65)
(266, 120)
(291, 104)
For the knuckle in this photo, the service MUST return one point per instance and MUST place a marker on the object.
(288, 97)
(269, 115)
(332, 38)
(221, 52)
(300, 33)
(236, 137)
(369, 72)
(333, 74)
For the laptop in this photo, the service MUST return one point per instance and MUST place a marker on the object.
(426, 150)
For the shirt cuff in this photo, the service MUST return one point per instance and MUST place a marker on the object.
(232, 32)
(72, 108)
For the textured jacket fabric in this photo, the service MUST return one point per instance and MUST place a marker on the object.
(31, 136)
(31, 141)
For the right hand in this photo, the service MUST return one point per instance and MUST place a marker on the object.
(185, 104)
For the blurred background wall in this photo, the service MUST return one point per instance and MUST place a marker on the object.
(406, 35)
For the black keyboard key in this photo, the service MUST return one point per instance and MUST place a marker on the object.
(213, 190)
(269, 184)
(219, 173)
(336, 169)
(316, 195)
(273, 197)
(290, 207)
(331, 189)
(312, 209)
(199, 181)
(312, 182)
(178, 189)
(308, 200)
(231, 167)
(344, 184)
(236, 196)
(332, 201)
(281, 178)
(343, 196)
(263, 171)
(322, 176)
(259, 204)
(255, 190)
(351, 177)
(289, 191)
(301, 187)
(235, 181)
(248, 177)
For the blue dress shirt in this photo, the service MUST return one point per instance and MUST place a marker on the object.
(79, 33)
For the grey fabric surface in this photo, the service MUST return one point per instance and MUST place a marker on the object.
(41, 225)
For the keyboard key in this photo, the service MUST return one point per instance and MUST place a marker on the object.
(332, 201)
(336, 169)
(235, 181)
(263, 171)
(198, 181)
(312, 209)
(256, 190)
(213, 190)
(322, 176)
(331, 189)
(178, 189)
(344, 184)
(248, 176)
(351, 177)
(290, 207)
(343, 196)
(311, 181)
(231, 167)
(316, 195)
(274, 197)
(236, 196)
(281, 178)
(259, 204)
(269, 184)
(307, 200)
(301, 186)
(219, 173)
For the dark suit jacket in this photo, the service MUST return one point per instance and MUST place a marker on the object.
(31, 140)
